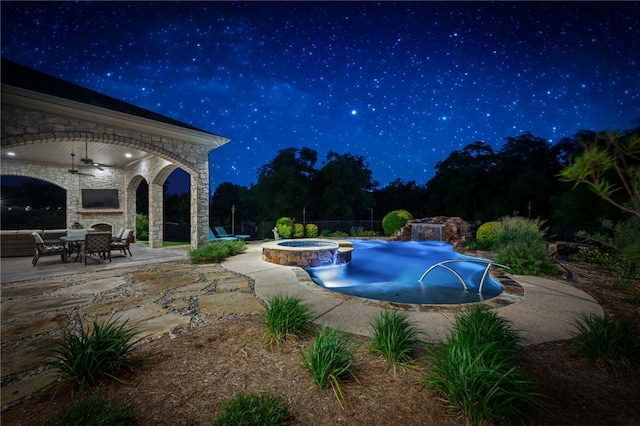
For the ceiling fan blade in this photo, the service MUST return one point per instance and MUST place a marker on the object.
(98, 165)
(78, 172)
(73, 169)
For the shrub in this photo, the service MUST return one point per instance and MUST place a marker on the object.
(329, 360)
(286, 317)
(338, 234)
(486, 236)
(517, 228)
(476, 371)
(621, 266)
(142, 227)
(311, 230)
(368, 234)
(395, 220)
(217, 251)
(298, 230)
(527, 259)
(94, 410)
(622, 239)
(612, 343)
(100, 351)
(594, 255)
(393, 337)
(284, 226)
(359, 232)
(325, 233)
(521, 246)
(249, 409)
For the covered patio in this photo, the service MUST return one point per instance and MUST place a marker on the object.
(79, 139)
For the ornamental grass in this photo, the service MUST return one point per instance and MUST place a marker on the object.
(253, 408)
(476, 371)
(393, 337)
(99, 351)
(95, 410)
(613, 344)
(329, 359)
(286, 317)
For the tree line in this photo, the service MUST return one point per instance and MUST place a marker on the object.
(476, 183)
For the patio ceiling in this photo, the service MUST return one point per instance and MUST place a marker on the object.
(34, 90)
(59, 154)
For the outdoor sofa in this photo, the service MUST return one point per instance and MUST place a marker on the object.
(15, 243)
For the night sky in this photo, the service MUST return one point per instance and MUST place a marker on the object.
(401, 84)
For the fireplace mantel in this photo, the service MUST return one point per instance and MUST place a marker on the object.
(89, 212)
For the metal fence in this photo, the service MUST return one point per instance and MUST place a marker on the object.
(176, 232)
(261, 230)
(266, 228)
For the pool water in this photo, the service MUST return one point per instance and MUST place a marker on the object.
(391, 271)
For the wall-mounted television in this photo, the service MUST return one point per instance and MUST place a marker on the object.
(100, 199)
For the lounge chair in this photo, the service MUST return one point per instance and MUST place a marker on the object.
(47, 249)
(223, 233)
(212, 237)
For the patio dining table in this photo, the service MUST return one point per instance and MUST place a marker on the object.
(74, 242)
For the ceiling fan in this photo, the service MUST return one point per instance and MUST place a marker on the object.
(73, 169)
(89, 161)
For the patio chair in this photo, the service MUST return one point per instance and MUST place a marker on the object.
(212, 237)
(122, 244)
(97, 243)
(118, 235)
(47, 249)
(223, 233)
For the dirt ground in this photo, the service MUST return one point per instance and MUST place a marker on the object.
(184, 381)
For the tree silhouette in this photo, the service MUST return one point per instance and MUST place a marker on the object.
(400, 195)
(463, 186)
(285, 184)
(345, 183)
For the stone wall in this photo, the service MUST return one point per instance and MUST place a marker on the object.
(455, 230)
(308, 256)
(73, 184)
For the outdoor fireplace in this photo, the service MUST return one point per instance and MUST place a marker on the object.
(102, 227)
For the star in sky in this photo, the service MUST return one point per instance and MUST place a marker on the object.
(401, 84)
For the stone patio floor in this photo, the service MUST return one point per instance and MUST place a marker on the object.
(156, 298)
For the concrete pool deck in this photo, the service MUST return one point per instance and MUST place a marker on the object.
(161, 292)
(543, 314)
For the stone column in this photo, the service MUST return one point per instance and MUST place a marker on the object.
(155, 215)
(129, 220)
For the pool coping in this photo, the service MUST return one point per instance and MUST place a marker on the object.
(277, 244)
(512, 293)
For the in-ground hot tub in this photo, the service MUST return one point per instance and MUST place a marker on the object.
(307, 253)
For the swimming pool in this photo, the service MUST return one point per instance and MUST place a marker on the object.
(391, 271)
